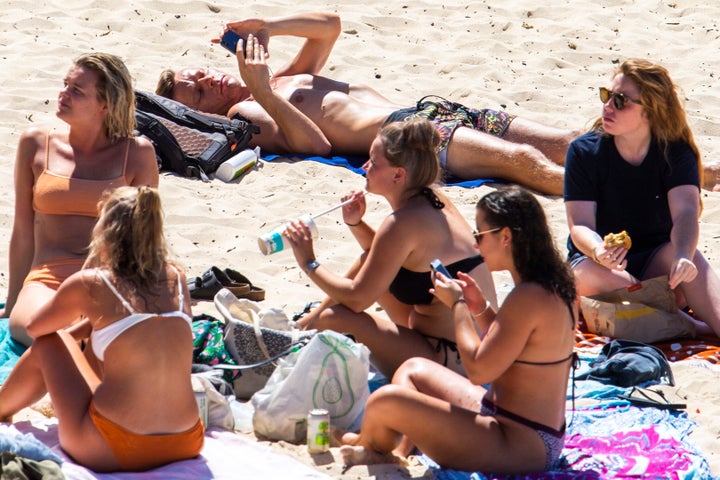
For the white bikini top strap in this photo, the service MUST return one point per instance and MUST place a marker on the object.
(114, 290)
(181, 297)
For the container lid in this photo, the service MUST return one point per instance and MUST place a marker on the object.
(319, 411)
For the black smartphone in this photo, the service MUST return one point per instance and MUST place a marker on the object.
(230, 40)
(437, 266)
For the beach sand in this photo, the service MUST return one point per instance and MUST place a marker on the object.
(543, 62)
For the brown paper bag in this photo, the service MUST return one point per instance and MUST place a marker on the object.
(644, 312)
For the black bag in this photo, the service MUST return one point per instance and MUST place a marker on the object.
(186, 141)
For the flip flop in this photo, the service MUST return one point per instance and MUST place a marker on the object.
(212, 280)
(648, 397)
(255, 293)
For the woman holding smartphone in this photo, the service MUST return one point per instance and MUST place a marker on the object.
(508, 415)
(394, 270)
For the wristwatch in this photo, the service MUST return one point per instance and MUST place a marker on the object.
(312, 265)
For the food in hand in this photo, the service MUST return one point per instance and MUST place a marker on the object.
(621, 239)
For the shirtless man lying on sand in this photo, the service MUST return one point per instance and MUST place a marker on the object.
(300, 112)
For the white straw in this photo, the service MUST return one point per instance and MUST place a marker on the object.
(339, 205)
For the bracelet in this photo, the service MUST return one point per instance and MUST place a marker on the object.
(487, 305)
(459, 300)
(594, 255)
(353, 224)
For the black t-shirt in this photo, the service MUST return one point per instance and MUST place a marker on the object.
(628, 197)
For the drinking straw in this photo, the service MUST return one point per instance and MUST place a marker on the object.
(339, 205)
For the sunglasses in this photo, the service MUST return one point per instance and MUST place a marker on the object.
(620, 100)
(478, 235)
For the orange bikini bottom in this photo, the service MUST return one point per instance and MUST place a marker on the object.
(52, 274)
(135, 452)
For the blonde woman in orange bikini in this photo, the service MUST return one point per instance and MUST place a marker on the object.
(61, 175)
(138, 410)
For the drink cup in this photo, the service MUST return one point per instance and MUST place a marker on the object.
(274, 241)
(237, 165)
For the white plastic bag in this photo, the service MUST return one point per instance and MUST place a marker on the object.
(330, 372)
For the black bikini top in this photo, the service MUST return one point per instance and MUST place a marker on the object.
(411, 288)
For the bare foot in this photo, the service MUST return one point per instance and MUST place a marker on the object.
(355, 455)
(711, 176)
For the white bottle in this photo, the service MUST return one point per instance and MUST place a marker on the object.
(238, 164)
(272, 241)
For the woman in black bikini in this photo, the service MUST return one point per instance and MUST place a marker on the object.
(394, 270)
(524, 352)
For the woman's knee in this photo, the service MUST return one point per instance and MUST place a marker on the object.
(409, 369)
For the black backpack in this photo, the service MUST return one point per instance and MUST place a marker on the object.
(186, 141)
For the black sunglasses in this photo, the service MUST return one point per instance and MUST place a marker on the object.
(620, 100)
(478, 235)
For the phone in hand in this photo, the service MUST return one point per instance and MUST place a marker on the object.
(437, 266)
(230, 40)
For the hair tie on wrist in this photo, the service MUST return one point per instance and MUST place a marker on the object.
(459, 300)
(353, 224)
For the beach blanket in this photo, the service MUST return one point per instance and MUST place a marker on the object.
(704, 348)
(355, 163)
(607, 438)
(225, 456)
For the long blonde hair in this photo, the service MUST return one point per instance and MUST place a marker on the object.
(128, 237)
(114, 88)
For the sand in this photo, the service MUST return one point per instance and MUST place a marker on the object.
(543, 62)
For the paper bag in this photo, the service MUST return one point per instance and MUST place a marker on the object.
(644, 312)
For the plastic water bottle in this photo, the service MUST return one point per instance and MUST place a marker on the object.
(238, 164)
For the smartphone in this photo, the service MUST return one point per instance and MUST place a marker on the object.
(437, 266)
(230, 40)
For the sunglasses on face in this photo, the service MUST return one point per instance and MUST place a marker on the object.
(478, 235)
(620, 100)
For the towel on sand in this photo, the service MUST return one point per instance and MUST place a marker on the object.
(355, 163)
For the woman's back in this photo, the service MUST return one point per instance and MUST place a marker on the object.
(146, 367)
(534, 384)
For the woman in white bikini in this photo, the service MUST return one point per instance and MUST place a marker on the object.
(61, 175)
(126, 403)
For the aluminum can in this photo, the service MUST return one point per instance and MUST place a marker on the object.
(318, 430)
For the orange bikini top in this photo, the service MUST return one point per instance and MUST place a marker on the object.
(55, 194)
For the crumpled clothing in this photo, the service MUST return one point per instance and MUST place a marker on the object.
(627, 363)
(14, 467)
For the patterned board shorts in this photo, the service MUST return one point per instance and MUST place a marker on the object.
(447, 116)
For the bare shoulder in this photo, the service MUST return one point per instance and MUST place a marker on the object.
(533, 299)
(32, 141)
(142, 163)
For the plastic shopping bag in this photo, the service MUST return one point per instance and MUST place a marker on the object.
(330, 372)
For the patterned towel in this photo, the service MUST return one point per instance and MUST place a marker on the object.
(611, 439)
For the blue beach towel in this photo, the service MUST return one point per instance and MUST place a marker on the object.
(10, 350)
(355, 163)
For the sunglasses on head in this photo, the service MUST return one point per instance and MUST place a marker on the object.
(478, 235)
(620, 100)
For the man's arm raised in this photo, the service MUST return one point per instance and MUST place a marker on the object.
(287, 130)
(320, 30)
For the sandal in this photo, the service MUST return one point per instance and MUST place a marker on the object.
(254, 293)
(308, 307)
(212, 280)
(648, 397)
